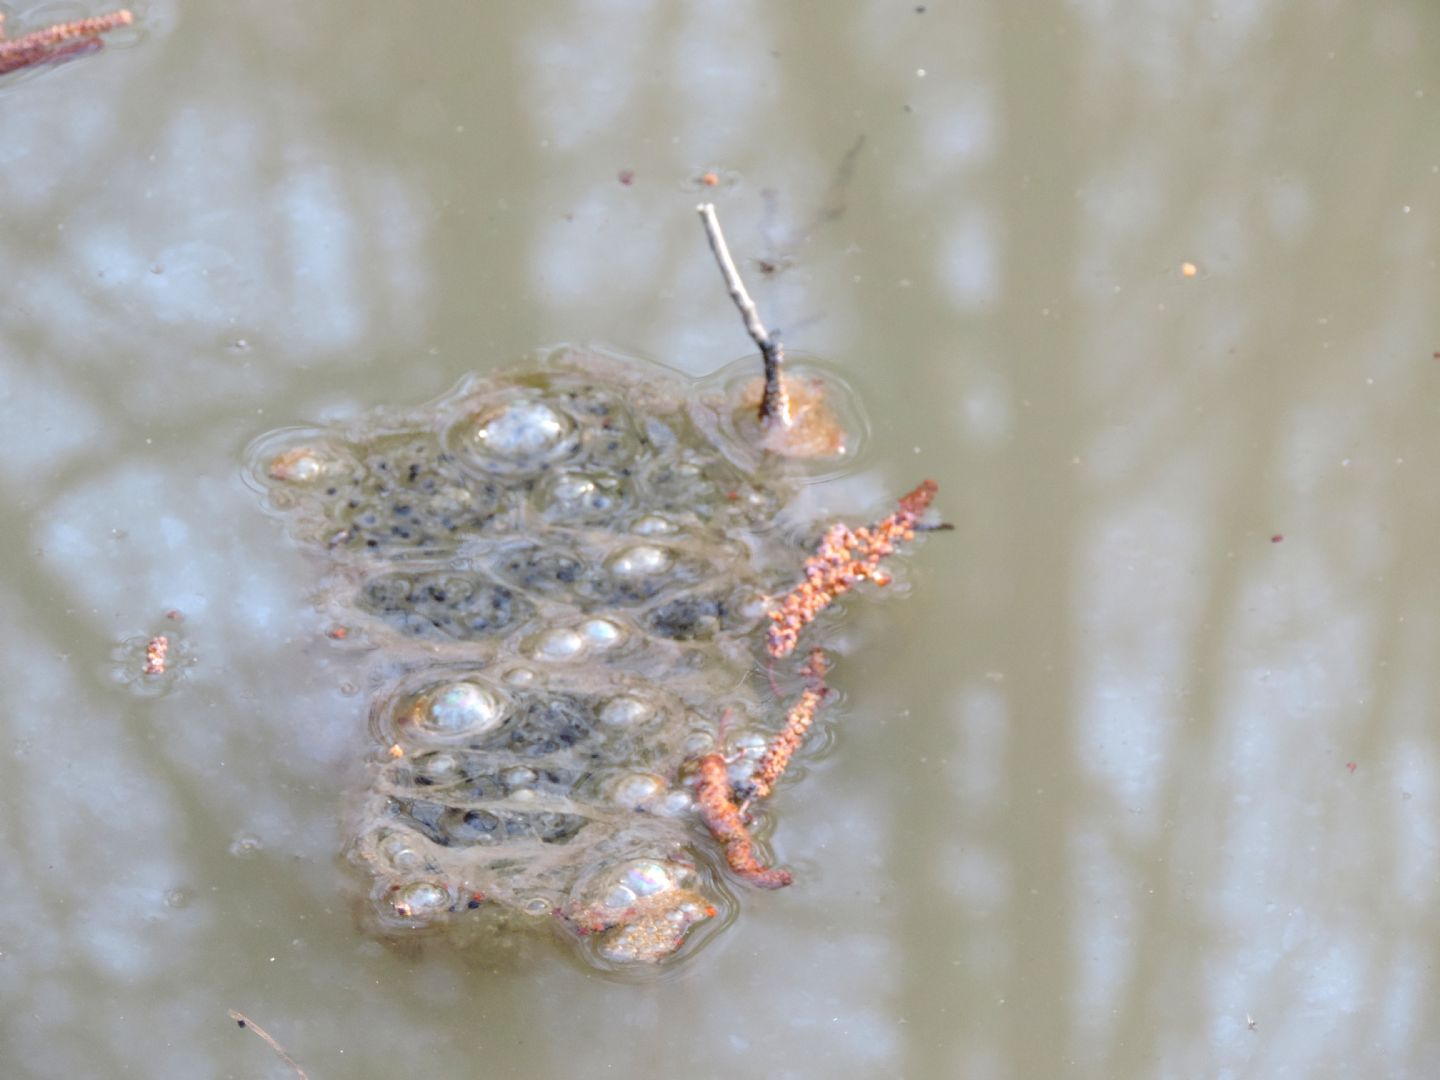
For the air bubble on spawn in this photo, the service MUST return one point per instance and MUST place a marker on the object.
(519, 676)
(401, 853)
(647, 877)
(537, 906)
(439, 768)
(601, 633)
(459, 708)
(420, 900)
(518, 776)
(641, 560)
(654, 525)
(638, 791)
(698, 743)
(620, 897)
(750, 744)
(520, 429)
(305, 465)
(562, 643)
(626, 711)
(676, 803)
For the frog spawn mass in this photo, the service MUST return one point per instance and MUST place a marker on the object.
(564, 575)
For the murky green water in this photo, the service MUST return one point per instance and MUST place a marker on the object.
(1140, 779)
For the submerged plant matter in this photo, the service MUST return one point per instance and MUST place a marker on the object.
(62, 41)
(565, 575)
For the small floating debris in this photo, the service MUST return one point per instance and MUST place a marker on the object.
(156, 650)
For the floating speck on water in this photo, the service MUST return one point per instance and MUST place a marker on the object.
(246, 847)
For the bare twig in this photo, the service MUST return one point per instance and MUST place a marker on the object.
(245, 1022)
(775, 404)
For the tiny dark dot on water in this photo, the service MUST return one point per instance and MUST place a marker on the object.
(919, 9)
(473, 904)
(239, 1023)
(330, 491)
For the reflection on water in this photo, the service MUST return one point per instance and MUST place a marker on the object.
(1138, 781)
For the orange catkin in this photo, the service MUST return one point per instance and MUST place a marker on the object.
(722, 818)
(797, 722)
(846, 557)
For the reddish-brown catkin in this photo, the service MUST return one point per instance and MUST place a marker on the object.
(59, 42)
(846, 557)
(797, 722)
(722, 817)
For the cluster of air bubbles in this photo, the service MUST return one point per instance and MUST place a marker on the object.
(562, 643)
(633, 881)
(570, 495)
(657, 936)
(519, 781)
